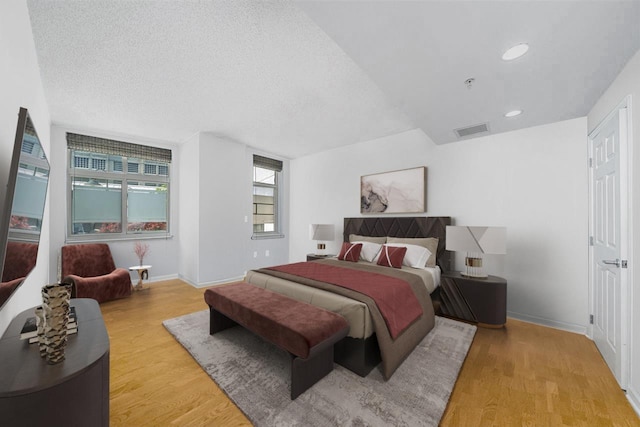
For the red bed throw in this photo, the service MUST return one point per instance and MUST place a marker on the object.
(396, 301)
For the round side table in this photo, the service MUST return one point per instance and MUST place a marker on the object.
(143, 273)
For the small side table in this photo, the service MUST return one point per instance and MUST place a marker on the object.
(313, 257)
(481, 301)
(143, 273)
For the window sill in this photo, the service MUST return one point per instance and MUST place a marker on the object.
(263, 236)
(97, 238)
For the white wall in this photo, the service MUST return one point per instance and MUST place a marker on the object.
(532, 181)
(325, 187)
(162, 252)
(628, 83)
(223, 232)
(20, 86)
(216, 223)
(189, 191)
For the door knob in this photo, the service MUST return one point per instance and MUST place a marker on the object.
(615, 262)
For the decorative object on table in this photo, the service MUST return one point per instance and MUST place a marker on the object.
(55, 304)
(322, 233)
(402, 191)
(72, 328)
(140, 250)
(476, 241)
(42, 345)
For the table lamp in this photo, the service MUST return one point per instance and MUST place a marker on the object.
(321, 233)
(476, 241)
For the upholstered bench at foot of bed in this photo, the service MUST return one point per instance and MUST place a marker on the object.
(307, 332)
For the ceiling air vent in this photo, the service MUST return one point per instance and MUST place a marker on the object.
(472, 130)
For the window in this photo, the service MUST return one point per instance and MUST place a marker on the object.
(80, 162)
(116, 188)
(266, 176)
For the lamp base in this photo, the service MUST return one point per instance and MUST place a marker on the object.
(321, 249)
(473, 264)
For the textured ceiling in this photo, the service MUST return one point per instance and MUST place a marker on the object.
(260, 73)
(297, 78)
(421, 52)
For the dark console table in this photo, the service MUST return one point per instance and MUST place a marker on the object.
(74, 392)
(481, 301)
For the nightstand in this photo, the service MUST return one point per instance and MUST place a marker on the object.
(481, 301)
(313, 257)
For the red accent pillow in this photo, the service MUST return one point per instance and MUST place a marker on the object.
(350, 252)
(391, 256)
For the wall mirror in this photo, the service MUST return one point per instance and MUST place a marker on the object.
(23, 209)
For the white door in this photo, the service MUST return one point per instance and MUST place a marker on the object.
(608, 239)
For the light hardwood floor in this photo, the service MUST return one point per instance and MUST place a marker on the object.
(523, 375)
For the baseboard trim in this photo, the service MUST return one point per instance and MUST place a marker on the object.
(154, 279)
(214, 283)
(569, 327)
(634, 399)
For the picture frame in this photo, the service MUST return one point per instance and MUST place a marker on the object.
(400, 191)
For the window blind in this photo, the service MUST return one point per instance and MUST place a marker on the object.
(119, 148)
(267, 163)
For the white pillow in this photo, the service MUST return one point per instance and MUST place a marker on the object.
(369, 250)
(416, 256)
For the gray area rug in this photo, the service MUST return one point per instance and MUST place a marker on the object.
(255, 375)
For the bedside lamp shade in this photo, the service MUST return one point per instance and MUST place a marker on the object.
(476, 241)
(322, 233)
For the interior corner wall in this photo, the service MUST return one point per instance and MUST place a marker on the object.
(20, 86)
(533, 181)
(221, 205)
(628, 83)
(216, 213)
(188, 201)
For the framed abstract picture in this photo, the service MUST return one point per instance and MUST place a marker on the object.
(402, 191)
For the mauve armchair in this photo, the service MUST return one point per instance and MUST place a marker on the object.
(90, 269)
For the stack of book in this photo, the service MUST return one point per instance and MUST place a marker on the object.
(30, 329)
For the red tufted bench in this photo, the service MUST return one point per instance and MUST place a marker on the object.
(307, 332)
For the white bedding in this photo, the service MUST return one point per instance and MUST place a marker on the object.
(433, 272)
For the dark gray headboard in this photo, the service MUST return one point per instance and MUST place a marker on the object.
(407, 227)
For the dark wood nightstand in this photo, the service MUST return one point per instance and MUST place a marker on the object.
(313, 257)
(481, 301)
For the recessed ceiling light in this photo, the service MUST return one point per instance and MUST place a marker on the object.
(515, 52)
(513, 113)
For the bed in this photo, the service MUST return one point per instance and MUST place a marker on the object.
(367, 344)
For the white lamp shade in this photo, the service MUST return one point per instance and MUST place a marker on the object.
(485, 240)
(322, 232)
